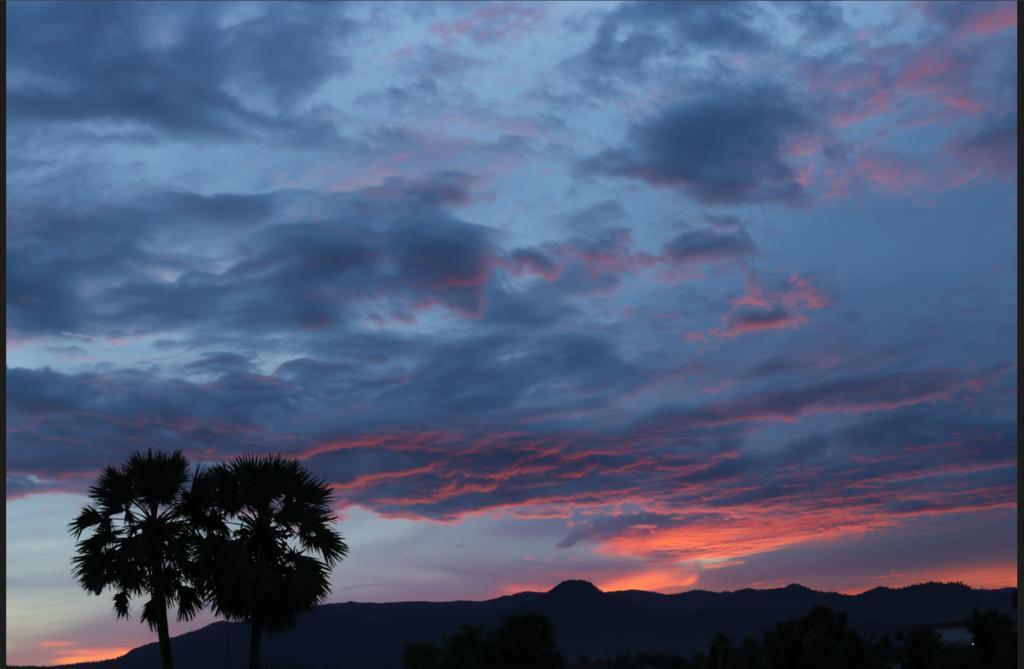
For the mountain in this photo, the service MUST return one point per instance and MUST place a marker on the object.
(586, 620)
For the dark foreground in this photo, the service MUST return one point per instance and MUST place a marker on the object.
(616, 629)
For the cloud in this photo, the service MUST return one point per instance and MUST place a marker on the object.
(534, 261)
(973, 19)
(726, 146)
(443, 188)
(989, 151)
(778, 307)
(398, 246)
(817, 19)
(915, 551)
(938, 78)
(360, 235)
(496, 21)
(634, 35)
(709, 244)
(353, 421)
(177, 69)
(219, 208)
(219, 362)
(602, 214)
(751, 319)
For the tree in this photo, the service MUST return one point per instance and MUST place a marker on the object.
(921, 648)
(140, 545)
(421, 656)
(267, 543)
(819, 640)
(993, 638)
(524, 641)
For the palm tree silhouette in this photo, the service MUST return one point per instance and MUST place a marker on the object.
(268, 546)
(921, 648)
(139, 543)
(992, 638)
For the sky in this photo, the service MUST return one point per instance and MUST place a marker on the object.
(662, 296)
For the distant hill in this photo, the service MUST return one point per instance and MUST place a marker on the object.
(586, 620)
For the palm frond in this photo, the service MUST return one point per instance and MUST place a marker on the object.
(190, 603)
(121, 602)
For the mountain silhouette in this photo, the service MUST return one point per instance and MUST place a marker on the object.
(574, 589)
(586, 620)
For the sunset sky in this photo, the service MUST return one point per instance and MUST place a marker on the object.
(662, 296)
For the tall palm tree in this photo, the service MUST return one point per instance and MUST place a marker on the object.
(268, 545)
(139, 545)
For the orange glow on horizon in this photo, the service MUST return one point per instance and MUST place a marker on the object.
(987, 577)
(666, 581)
(90, 654)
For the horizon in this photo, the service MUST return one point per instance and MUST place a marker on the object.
(95, 657)
(661, 296)
(683, 592)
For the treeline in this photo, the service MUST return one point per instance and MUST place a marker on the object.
(822, 639)
(251, 538)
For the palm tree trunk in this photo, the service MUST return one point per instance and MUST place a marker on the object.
(165, 637)
(254, 644)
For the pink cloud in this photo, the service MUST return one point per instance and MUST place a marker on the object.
(1002, 17)
(760, 308)
(494, 21)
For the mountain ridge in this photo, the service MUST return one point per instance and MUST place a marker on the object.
(586, 619)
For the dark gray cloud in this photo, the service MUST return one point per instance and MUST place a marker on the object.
(443, 188)
(929, 461)
(282, 261)
(364, 425)
(190, 208)
(173, 67)
(817, 19)
(726, 146)
(534, 261)
(603, 214)
(750, 318)
(851, 394)
(219, 362)
(709, 244)
(634, 34)
(991, 149)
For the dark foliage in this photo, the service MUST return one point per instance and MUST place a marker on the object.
(821, 639)
(266, 544)
(139, 544)
(524, 641)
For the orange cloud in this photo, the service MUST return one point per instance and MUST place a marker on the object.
(654, 580)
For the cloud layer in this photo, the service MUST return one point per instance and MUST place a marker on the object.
(662, 295)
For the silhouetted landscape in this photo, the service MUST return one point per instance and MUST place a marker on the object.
(585, 620)
(449, 305)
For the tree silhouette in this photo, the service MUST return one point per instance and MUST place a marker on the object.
(139, 545)
(993, 638)
(524, 641)
(820, 640)
(267, 544)
(921, 648)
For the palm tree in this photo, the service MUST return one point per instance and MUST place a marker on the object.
(140, 545)
(992, 638)
(921, 648)
(267, 546)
